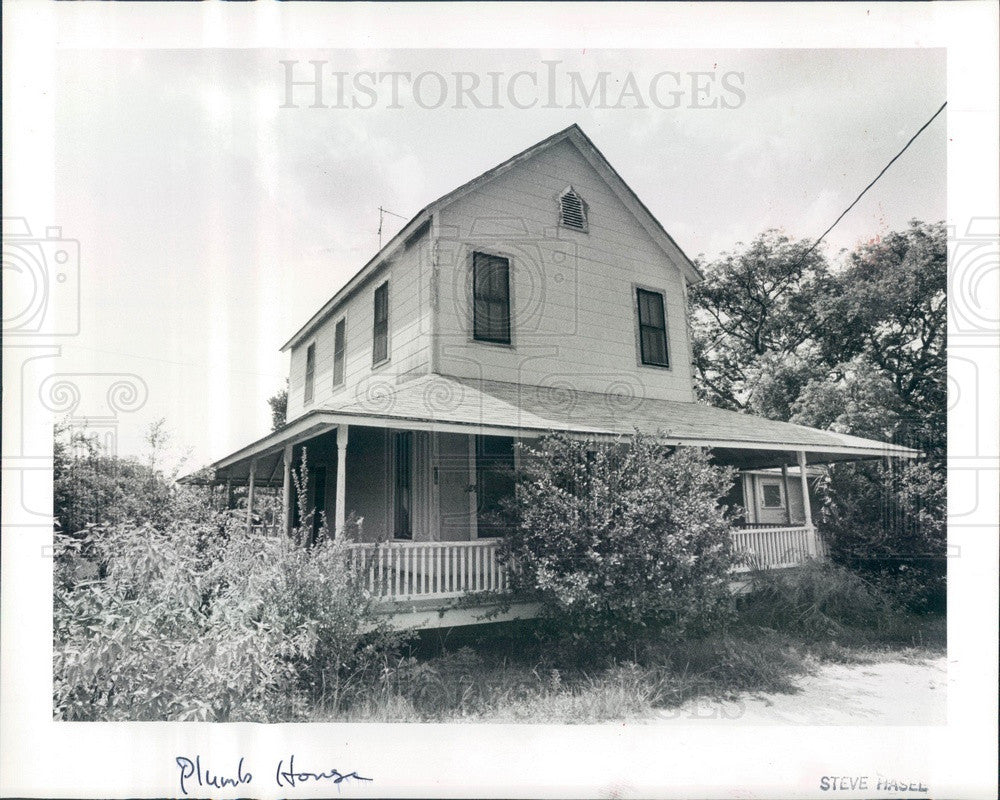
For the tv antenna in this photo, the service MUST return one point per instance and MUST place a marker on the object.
(381, 219)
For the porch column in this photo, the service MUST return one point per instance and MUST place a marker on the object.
(250, 488)
(806, 505)
(229, 494)
(286, 492)
(788, 497)
(340, 514)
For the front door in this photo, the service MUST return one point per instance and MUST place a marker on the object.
(495, 480)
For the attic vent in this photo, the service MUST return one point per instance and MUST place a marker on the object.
(572, 210)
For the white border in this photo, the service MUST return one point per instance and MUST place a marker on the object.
(42, 758)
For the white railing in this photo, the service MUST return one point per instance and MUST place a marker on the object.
(412, 570)
(776, 547)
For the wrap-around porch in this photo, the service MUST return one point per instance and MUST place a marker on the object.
(419, 507)
(412, 477)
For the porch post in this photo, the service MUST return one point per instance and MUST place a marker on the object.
(286, 492)
(340, 514)
(229, 493)
(806, 505)
(788, 497)
(250, 488)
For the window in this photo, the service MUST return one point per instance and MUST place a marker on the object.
(402, 495)
(652, 329)
(339, 348)
(495, 482)
(380, 344)
(319, 501)
(491, 298)
(310, 371)
(771, 495)
(572, 210)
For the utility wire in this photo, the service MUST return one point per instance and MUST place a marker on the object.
(870, 185)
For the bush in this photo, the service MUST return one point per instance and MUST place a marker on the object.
(817, 600)
(620, 540)
(208, 621)
(888, 524)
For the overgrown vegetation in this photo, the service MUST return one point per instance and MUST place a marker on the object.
(787, 625)
(187, 615)
(609, 553)
(857, 348)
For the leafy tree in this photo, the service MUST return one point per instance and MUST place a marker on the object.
(860, 350)
(621, 539)
(889, 306)
(279, 407)
(755, 308)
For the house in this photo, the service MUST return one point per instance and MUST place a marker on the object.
(540, 296)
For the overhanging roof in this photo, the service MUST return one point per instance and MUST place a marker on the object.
(589, 151)
(449, 404)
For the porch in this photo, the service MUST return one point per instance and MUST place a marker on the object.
(421, 471)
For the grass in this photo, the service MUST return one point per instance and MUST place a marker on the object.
(789, 624)
(469, 682)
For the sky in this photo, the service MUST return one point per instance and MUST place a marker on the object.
(213, 222)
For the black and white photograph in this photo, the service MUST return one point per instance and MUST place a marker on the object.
(524, 400)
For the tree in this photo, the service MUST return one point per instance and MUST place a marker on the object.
(617, 540)
(755, 314)
(279, 407)
(860, 350)
(889, 306)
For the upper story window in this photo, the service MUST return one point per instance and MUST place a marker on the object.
(771, 495)
(652, 328)
(491, 298)
(310, 371)
(380, 337)
(339, 351)
(572, 210)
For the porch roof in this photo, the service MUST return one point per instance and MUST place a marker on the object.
(443, 403)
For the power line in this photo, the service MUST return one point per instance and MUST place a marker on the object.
(870, 185)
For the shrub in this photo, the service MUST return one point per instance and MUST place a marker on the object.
(620, 540)
(817, 600)
(206, 620)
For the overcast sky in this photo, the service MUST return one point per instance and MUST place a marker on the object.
(212, 222)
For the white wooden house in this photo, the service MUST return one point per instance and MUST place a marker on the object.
(540, 296)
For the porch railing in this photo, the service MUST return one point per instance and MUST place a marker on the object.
(412, 570)
(775, 547)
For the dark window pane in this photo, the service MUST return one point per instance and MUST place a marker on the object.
(403, 495)
(339, 350)
(491, 298)
(772, 495)
(310, 371)
(380, 344)
(652, 328)
(495, 481)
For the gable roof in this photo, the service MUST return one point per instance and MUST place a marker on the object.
(594, 157)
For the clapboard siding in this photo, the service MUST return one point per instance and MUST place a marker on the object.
(573, 293)
(409, 340)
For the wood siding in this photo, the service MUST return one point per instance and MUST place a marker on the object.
(573, 293)
(409, 340)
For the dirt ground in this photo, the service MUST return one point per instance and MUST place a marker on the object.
(886, 693)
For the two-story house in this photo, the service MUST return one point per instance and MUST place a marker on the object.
(540, 296)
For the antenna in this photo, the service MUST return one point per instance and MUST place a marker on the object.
(381, 219)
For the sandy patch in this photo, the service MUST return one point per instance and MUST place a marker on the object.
(888, 693)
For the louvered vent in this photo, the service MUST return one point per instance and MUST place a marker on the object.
(572, 210)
